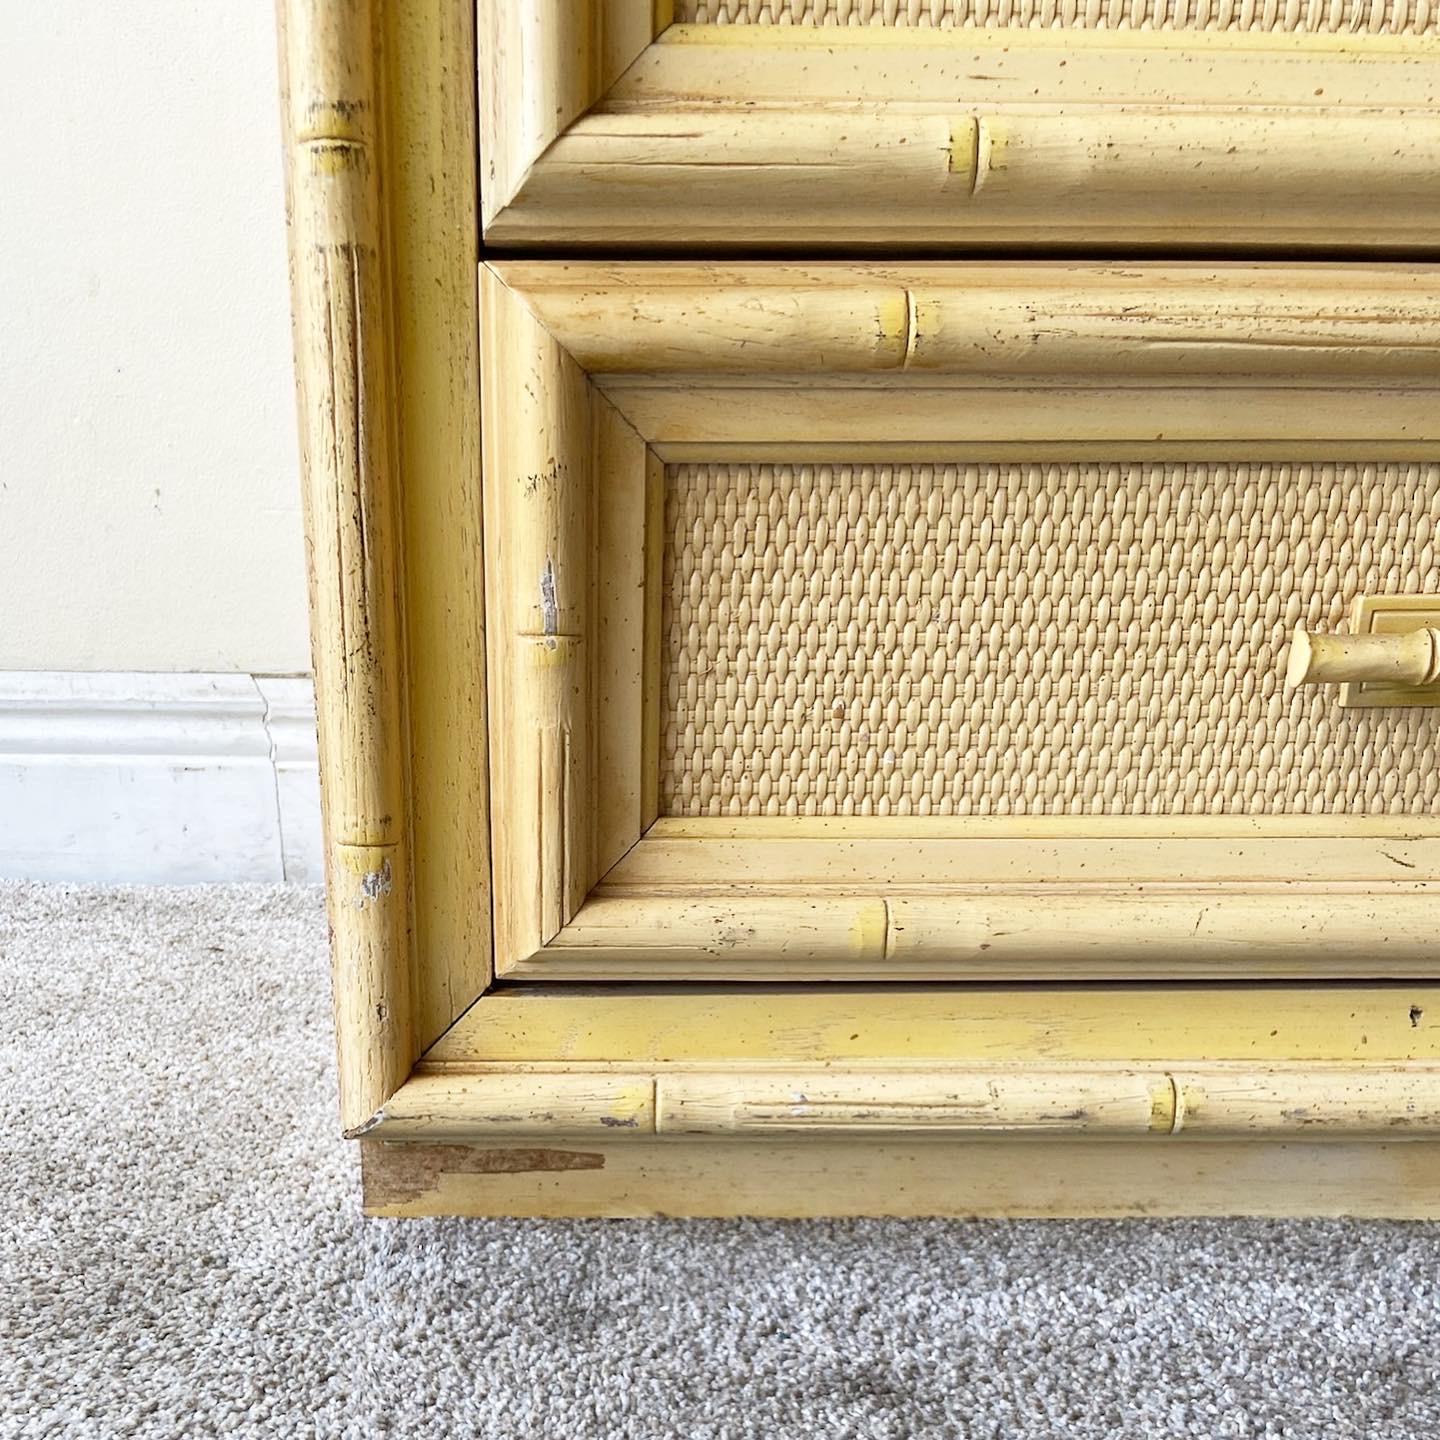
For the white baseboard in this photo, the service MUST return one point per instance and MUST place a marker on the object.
(158, 779)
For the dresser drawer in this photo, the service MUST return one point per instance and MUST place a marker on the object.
(846, 124)
(886, 624)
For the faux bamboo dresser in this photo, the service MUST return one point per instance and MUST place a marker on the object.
(876, 597)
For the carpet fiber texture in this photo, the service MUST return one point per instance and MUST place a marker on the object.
(181, 1254)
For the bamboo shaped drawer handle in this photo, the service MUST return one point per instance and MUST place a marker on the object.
(1412, 658)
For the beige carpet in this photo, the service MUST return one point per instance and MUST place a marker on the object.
(181, 1255)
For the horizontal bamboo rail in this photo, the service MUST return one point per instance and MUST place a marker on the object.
(1216, 1100)
(1362, 323)
(821, 138)
(1000, 933)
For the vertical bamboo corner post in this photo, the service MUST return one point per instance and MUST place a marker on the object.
(344, 383)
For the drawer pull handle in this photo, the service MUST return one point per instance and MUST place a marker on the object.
(1412, 658)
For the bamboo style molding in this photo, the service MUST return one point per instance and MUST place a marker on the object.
(346, 399)
(963, 321)
(1028, 929)
(382, 199)
(1212, 1101)
(615, 126)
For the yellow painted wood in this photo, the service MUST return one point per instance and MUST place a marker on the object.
(430, 195)
(621, 502)
(1091, 48)
(1390, 615)
(1084, 355)
(340, 293)
(816, 138)
(693, 936)
(839, 353)
(1182, 932)
(934, 1026)
(1402, 661)
(539, 503)
(1362, 322)
(771, 852)
(1387, 1100)
(651, 689)
(1066, 452)
(1010, 933)
(1255, 828)
(447, 1105)
(1257, 1062)
(542, 64)
(711, 419)
(813, 1178)
(1344, 1100)
(978, 1102)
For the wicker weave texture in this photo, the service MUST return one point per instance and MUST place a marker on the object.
(1032, 639)
(1378, 17)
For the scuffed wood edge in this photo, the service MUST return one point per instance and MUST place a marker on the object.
(344, 385)
(831, 1178)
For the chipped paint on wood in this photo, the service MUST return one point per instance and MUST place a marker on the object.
(374, 886)
(402, 1174)
(964, 151)
(549, 605)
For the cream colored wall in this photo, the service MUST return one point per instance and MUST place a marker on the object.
(149, 507)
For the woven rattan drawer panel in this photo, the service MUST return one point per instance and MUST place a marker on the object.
(1393, 17)
(1032, 639)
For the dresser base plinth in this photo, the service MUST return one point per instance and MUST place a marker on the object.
(813, 1179)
